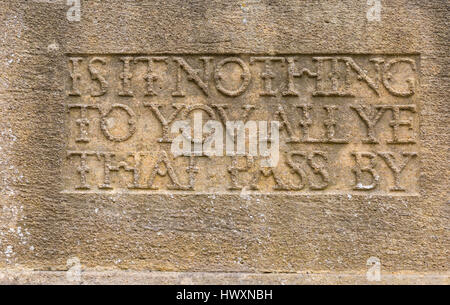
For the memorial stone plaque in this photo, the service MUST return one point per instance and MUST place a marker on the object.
(252, 141)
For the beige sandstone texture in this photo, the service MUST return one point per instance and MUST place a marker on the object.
(91, 190)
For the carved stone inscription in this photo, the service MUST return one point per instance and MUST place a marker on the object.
(345, 123)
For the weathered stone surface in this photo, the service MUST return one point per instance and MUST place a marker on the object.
(88, 172)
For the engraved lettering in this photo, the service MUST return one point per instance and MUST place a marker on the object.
(75, 76)
(387, 77)
(126, 77)
(369, 169)
(267, 75)
(397, 122)
(245, 77)
(370, 115)
(150, 77)
(291, 73)
(192, 75)
(105, 123)
(165, 122)
(397, 166)
(95, 75)
(83, 121)
(330, 125)
(167, 170)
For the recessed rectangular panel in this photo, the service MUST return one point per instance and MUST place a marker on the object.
(154, 123)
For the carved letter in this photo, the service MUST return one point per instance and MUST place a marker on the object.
(396, 123)
(108, 168)
(95, 75)
(359, 169)
(192, 75)
(131, 123)
(165, 122)
(75, 75)
(83, 121)
(296, 168)
(267, 75)
(234, 170)
(397, 168)
(280, 185)
(150, 77)
(387, 77)
(319, 169)
(370, 115)
(126, 77)
(157, 170)
(362, 75)
(334, 75)
(83, 169)
(245, 76)
(330, 125)
(305, 123)
(290, 87)
(285, 124)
